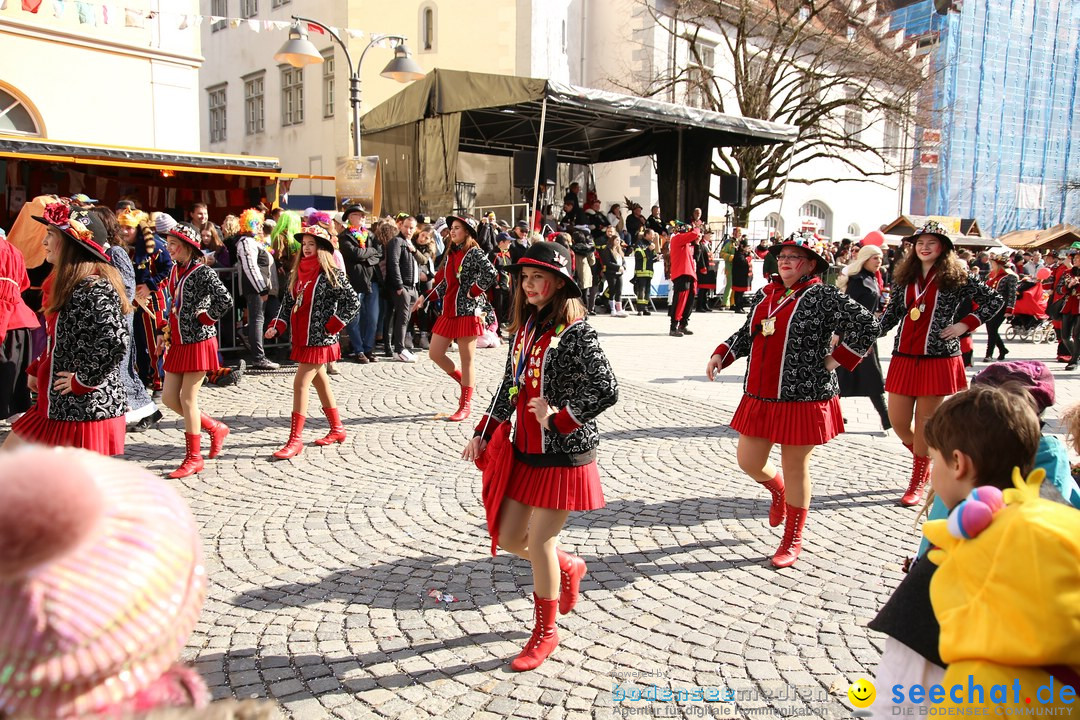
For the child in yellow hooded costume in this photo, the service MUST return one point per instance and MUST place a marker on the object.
(1007, 597)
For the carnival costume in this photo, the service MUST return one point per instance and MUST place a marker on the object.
(199, 301)
(153, 265)
(89, 338)
(556, 468)
(1004, 283)
(924, 363)
(319, 312)
(789, 396)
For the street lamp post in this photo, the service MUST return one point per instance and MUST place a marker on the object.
(298, 51)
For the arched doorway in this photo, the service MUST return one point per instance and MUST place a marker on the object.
(816, 216)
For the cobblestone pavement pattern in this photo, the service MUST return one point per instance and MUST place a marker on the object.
(321, 566)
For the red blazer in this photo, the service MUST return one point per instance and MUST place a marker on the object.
(681, 252)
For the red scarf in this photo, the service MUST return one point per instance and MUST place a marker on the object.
(307, 272)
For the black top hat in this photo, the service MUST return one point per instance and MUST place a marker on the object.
(356, 207)
(321, 235)
(80, 225)
(821, 264)
(931, 228)
(552, 257)
(188, 233)
(468, 222)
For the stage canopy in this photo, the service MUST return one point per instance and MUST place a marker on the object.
(418, 133)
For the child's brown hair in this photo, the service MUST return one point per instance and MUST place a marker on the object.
(997, 427)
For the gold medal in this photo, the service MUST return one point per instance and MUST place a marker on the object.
(915, 314)
(768, 326)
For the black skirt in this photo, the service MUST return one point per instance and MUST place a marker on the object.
(866, 380)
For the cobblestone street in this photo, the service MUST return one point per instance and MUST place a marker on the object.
(321, 566)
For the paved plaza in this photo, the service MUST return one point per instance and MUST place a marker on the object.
(322, 568)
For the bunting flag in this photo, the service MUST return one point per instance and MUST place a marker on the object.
(91, 12)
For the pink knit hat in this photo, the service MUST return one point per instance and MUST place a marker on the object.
(101, 582)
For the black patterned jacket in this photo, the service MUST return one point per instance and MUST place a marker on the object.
(462, 282)
(89, 339)
(922, 337)
(199, 300)
(577, 382)
(789, 364)
(331, 310)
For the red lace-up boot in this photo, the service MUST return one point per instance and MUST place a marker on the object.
(456, 374)
(218, 431)
(193, 460)
(337, 430)
(544, 640)
(464, 405)
(296, 443)
(779, 499)
(571, 570)
(791, 545)
(920, 474)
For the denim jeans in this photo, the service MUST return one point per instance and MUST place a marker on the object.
(369, 317)
(255, 304)
(356, 338)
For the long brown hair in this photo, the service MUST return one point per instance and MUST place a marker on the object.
(73, 265)
(951, 271)
(327, 267)
(564, 309)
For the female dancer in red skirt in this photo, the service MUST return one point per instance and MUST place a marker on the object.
(790, 391)
(81, 400)
(461, 282)
(560, 380)
(321, 302)
(199, 300)
(929, 283)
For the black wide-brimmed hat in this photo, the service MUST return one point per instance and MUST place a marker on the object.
(321, 235)
(468, 222)
(552, 257)
(82, 226)
(803, 243)
(931, 228)
(354, 208)
(188, 233)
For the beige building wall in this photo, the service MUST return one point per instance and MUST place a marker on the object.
(70, 74)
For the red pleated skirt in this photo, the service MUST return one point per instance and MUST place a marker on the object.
(924, 376)
(556, 488)
(201, 356)
(455, 327)
(101, 436)
(315, 354)
(813, 422)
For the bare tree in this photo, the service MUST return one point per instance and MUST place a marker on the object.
(821, 65)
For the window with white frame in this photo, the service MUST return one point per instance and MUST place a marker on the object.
(249, 8)
(216, 102)
(428, 21)
(814, 215)
(278, 3)
(853, 116)
(255, 103)
(328, 83)
(292, 95)
(219, 8)
(17, 116)
(853, 230)
(890, 143)
(774, 225)
(700, 74)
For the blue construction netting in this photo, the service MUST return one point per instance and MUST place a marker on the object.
(1005, 76)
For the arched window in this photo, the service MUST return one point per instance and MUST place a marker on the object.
(428, 27)
(816, 216)
(18, 116)
(774, 225)
(853, 230)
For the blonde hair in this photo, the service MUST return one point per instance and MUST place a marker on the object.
(865, 253)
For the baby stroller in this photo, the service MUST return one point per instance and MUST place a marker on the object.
(1029, 321)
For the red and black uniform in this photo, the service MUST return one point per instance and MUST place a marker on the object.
(199, 300)
(789, 397)
(89, 338)
(318, 311)
(462, 282)
(1004, 283)
(923, 362)
(683, 274)
(554, 468)
(1054, 284)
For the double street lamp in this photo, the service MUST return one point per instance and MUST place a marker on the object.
(298, 51)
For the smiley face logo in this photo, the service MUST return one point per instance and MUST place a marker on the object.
(862, 693)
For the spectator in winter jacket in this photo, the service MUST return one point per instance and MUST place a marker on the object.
(572, 216)
(635, 224)
(402, 272)
(655, 222)
(361, 255)
(255, 267)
